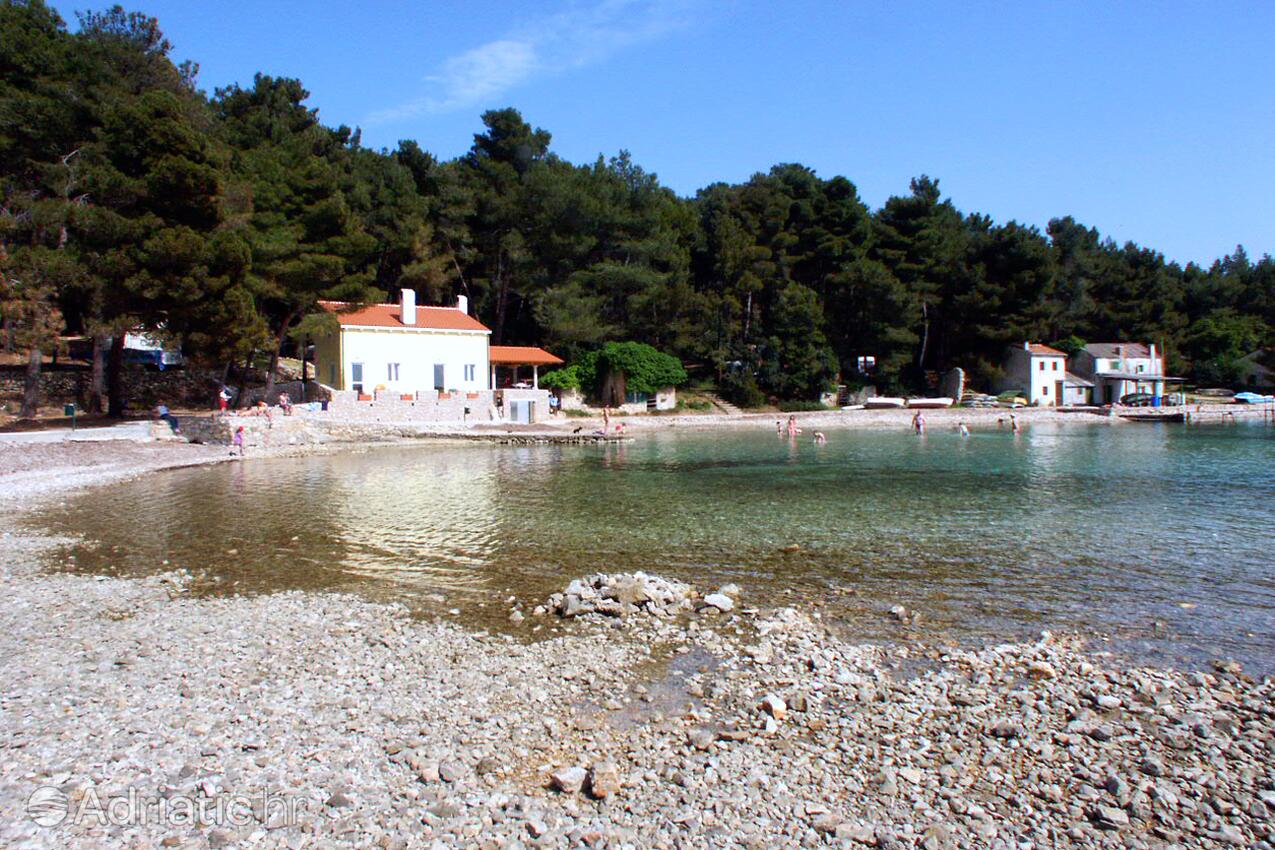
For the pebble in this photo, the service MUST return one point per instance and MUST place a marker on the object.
(720, 601)
(569, 780)
(749, 730)
(604, 779)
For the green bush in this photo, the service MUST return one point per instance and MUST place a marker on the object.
(645, 370)
(562, 379)
(802, 406)
(742, 390)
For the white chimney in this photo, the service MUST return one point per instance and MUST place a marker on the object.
(408, 303)
(462, 304)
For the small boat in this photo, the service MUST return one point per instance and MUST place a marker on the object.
(883, 402)
(1173, 416)
(1252, 398)
(929, 403)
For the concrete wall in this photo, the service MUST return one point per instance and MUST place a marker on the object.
(416, 352)
(539, 399)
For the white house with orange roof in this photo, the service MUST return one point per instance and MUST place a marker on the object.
(404, 348)
(425, 363)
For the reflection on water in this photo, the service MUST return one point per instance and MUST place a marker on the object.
(1116, 529)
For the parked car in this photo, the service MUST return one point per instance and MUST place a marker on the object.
(1137, 400)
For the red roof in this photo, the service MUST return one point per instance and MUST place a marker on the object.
(1037, 348)
(522, 355)
(390, 316)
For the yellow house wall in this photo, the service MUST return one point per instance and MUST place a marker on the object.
(327, 361)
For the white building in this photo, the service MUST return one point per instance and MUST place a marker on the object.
(1037, 371)
(404, 349)
(1118, 369)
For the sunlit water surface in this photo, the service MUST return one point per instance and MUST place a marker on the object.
(1157, 534)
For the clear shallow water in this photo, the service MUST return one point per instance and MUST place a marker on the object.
(1159, 534)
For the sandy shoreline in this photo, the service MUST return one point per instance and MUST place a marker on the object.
(384, 731)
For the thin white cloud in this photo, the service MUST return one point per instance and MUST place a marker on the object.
(580, 35)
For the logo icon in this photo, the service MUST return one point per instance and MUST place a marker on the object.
(48, 806)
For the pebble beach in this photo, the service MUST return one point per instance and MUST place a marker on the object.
(137, 714)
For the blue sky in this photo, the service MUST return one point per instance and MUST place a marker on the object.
(1153, 122)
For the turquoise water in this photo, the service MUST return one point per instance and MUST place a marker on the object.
(1157, 534)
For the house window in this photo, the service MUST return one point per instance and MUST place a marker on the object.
(1055, 365)
(469, 371)
(391, 371)
(356, 377)
(1042, 365)
(1141, 367)
(1044, 390)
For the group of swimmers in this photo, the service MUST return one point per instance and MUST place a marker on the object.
(791, 429)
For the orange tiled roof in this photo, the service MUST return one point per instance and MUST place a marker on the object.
(390, 316)
(1037, 348)
(522, 355)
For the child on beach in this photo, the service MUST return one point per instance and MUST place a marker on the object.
(236, 444)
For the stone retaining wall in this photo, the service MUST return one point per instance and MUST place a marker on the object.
(389, 407)
(143, 388)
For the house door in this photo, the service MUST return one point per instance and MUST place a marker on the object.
(356, 377)
(1059, 401)
(440, 383)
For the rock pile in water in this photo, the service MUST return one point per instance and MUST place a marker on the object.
(625, 594)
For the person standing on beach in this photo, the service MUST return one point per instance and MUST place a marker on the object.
(236, 443)
(606, 418)
(223, 399)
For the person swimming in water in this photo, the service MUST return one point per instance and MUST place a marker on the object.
(820, 439)
(918, 424)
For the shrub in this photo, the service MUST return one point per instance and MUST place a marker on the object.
(802, 406)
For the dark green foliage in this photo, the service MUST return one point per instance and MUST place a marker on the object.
(637, 366)
(128, 197)
(801, 406)
(645, 369)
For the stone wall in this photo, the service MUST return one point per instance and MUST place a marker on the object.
(143, 388)
(459, 408)
(300, 429)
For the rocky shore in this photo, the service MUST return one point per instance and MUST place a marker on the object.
(321, 721)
